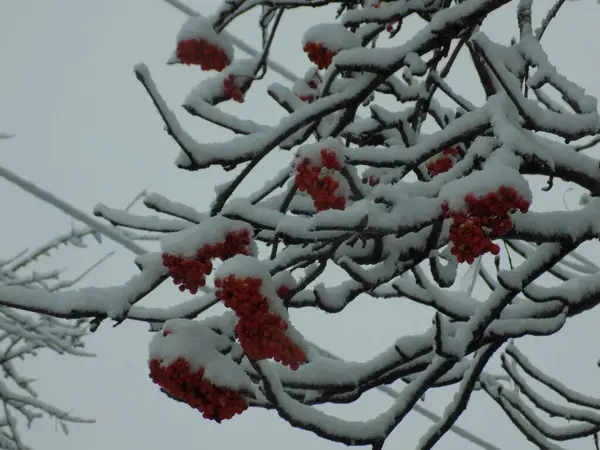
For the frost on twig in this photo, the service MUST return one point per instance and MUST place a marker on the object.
(23, 335)
(398, 198)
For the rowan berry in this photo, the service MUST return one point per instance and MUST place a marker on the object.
(203, 53)
(322, 188)
(319, 54)
(443, 163)
(190, 273)
(178, 380)
(261, 332)
(231, 89)
(266, 339)
(489, 212)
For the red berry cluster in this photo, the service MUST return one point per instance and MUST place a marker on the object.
(267, 339)
(467, 234)
(232, 90)
(443, 163)
(190, 273)
(319, 54)
(373, 180)
(309, 98)
(284, 292)
(260, 331)
(390, 26)
(213, 402)
(203, 53)
(321, 188)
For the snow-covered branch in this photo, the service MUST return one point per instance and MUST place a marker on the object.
(23, 336)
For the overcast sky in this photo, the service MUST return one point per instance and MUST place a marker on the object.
(86, 131)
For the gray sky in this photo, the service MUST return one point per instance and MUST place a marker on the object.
(87, 132)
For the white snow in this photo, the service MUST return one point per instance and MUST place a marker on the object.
(529, 326)
(514, 278)
(398, 155)
(310, 416)
(149, 223)
(247, 147)
(212, 87)
(333, 36)
(416, 64)
(573, 291)
(383, 13)
(200, 346)
(313, 151)
(303, 228)
(573, 224)
(531, 49)
(349, 217)
(268, 218)
(554, 384)
(113, 301)
(211, 231)
(201, 28)
(160, 203)
(479, 183)
(566, 125)
(284, 278)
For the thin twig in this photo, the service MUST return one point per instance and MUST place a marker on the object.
(51, 199)
(549, 16)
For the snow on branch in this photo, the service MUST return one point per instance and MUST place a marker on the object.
(23, 336)
(582, 422)
(113, 302)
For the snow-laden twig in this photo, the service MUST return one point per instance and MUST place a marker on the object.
(23, 336)
(68, 209)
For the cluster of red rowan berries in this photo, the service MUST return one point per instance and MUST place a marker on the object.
(467, 234)
(203, 53)
(390, 26)
(319, 54)
(307, 98)
(231, 89)
(443, 163)
(261, 332)
(310, 97)
(321, 187)
(373, 180)
(213, 402)
(190, 273)
(284, 292)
